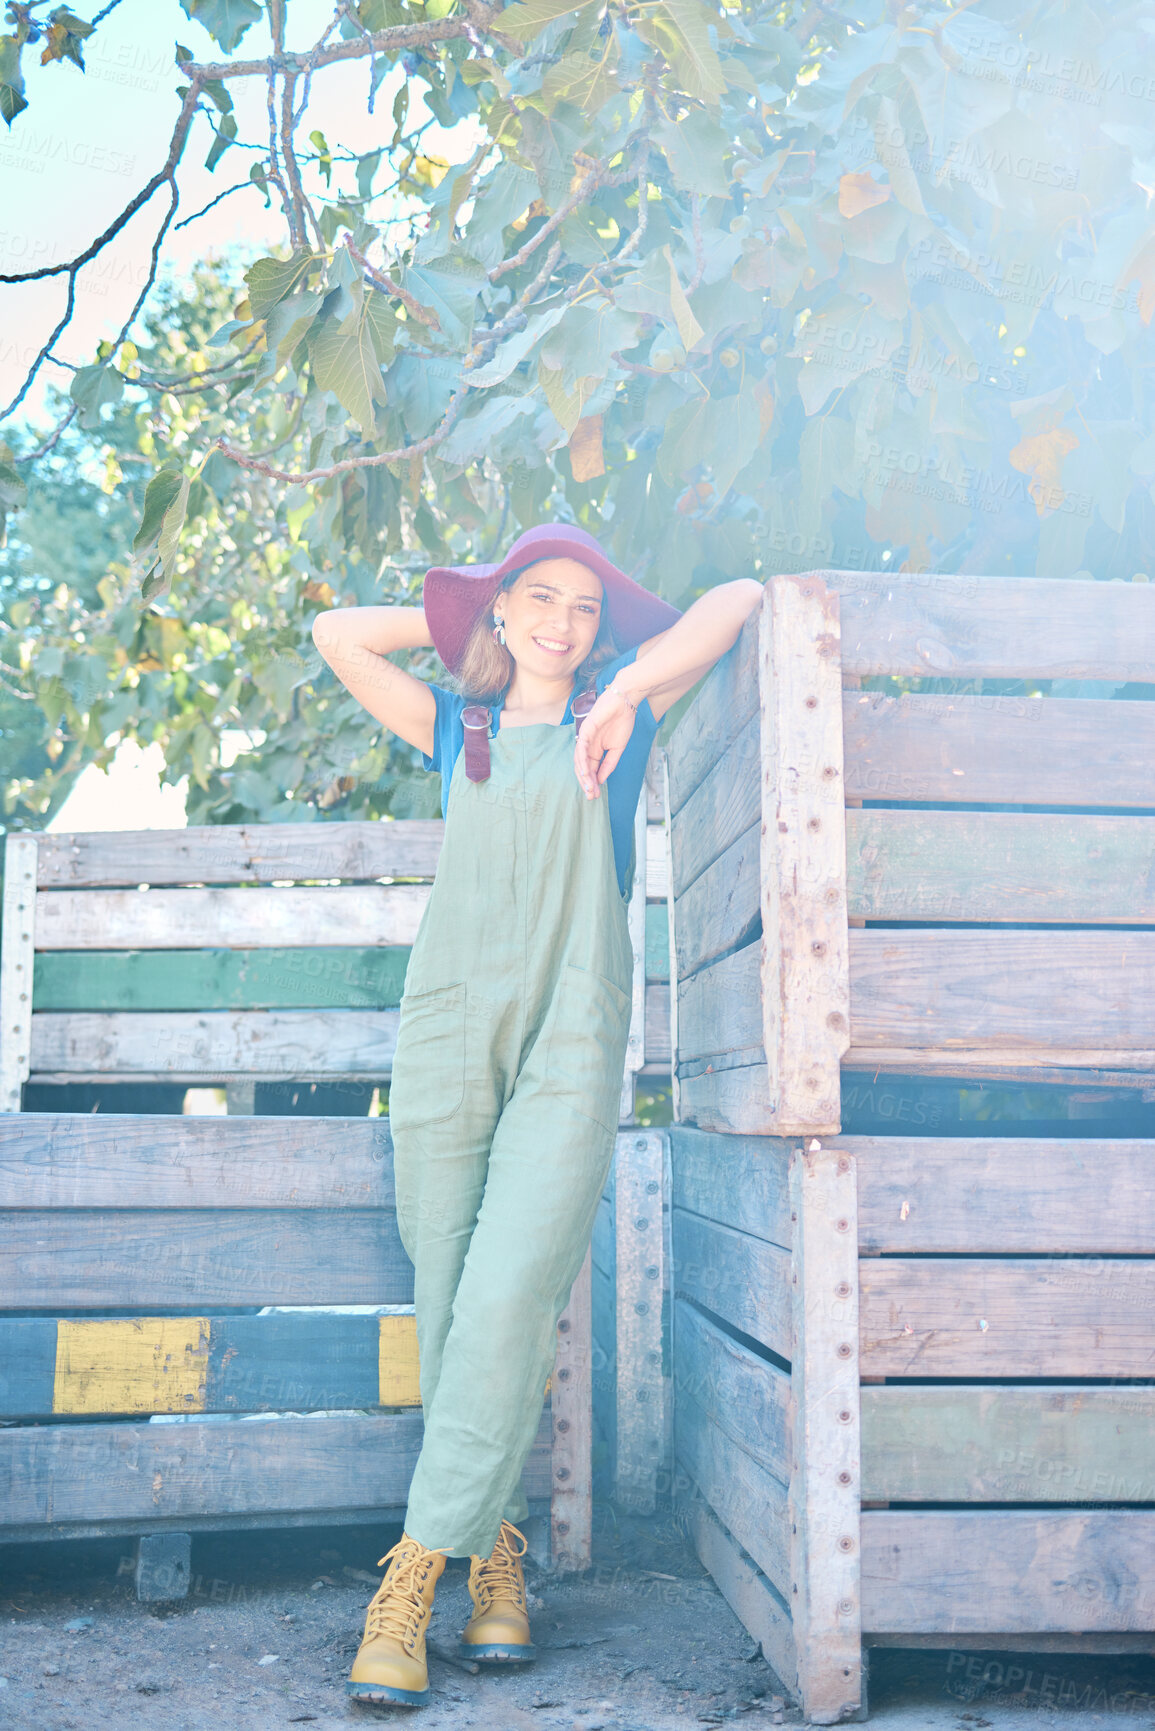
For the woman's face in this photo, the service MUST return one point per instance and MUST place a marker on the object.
(551, 613)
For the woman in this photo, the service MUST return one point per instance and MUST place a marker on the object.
(503, 1102)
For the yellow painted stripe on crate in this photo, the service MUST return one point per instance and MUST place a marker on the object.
(398, 1372)
(398, 1367)
(131, 1365)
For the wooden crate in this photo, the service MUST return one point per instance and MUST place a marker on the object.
(912, 1376)
(233, 956)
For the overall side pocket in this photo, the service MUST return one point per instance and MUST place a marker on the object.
(586, 1053)
(428, 1080)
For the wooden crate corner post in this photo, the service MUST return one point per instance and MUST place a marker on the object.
(805, 966)
(825, 1480)
(16, 966)
(643, 1388)
(571, 1407)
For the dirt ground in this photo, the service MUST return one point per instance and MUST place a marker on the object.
(643, 1641)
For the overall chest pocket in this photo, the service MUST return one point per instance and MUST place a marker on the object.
(428, 1081)
(586, 1052)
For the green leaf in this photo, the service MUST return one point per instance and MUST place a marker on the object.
(259, 178)
(588, 81)
(225, 134)
(158, 496)
(92, 388)
(689, 329)
(510, 354)
(680, 29)
(225, 20)
(345, 362)
(173, 522)
(11, 80)
(448, 288)
(271, 279)
(696, 150)
(325, 155)
(13, 488)
(526, 17)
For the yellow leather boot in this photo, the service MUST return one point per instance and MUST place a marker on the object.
(390, 1663)
(498, 1631)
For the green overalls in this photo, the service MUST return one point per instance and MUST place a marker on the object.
(503, 1107)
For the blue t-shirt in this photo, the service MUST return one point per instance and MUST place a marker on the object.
(622, 787)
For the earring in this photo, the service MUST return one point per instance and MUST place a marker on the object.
(498, 630)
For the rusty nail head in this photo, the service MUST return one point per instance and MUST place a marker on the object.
(842, 1290)
(844, 1350)
(842, 1225)
(845, 1543)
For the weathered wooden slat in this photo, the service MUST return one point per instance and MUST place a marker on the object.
(805, 990)
(1004, 627)
(1011, 1571)
(109, 1160)
(16, 966)
(657, 1001)
(735, 1100)
(966, 1316)
(142, 1258)
(1079, 1197)
(720, 910)
(643, 1393)
(721, 808)
(1058, 1065)
(1089, 991)
(760, 1609)
(720, 1008)
(294, 1361)
(1008, 1445)
(674, 966)
(953, 865)
(746, 1397)
(55, 1474)
(999, 750)
(220, 979)
(726, 702)
(741, 1279)
(657, 862)
(824, 1485)
(657, 942)
(602, 1241)
(746, 1499)
(215, 1045)
(636, 920)
(739, 1181)
(240, 853)
(373, 915)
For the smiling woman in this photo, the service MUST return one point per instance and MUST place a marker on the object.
(507, 1075)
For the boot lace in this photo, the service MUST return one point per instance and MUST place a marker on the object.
(499, 1575)
(397, 1608)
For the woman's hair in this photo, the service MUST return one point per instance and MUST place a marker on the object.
(487, 667)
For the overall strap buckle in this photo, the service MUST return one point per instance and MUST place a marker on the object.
(582, 704)
(475, 720)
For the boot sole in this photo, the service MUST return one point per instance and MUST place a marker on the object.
(388, 1692)
(497, 1653)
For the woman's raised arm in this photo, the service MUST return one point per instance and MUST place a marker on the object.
(356, 643)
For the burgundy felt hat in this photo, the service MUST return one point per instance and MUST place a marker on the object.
(455, 596)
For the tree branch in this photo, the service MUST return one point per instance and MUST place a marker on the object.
(350, 463)
(176, 146)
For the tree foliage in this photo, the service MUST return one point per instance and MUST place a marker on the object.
(740, 287)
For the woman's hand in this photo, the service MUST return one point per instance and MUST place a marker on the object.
(604, 735)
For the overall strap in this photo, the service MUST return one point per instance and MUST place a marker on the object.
(476, 721)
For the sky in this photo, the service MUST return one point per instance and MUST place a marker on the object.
(88, 141)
